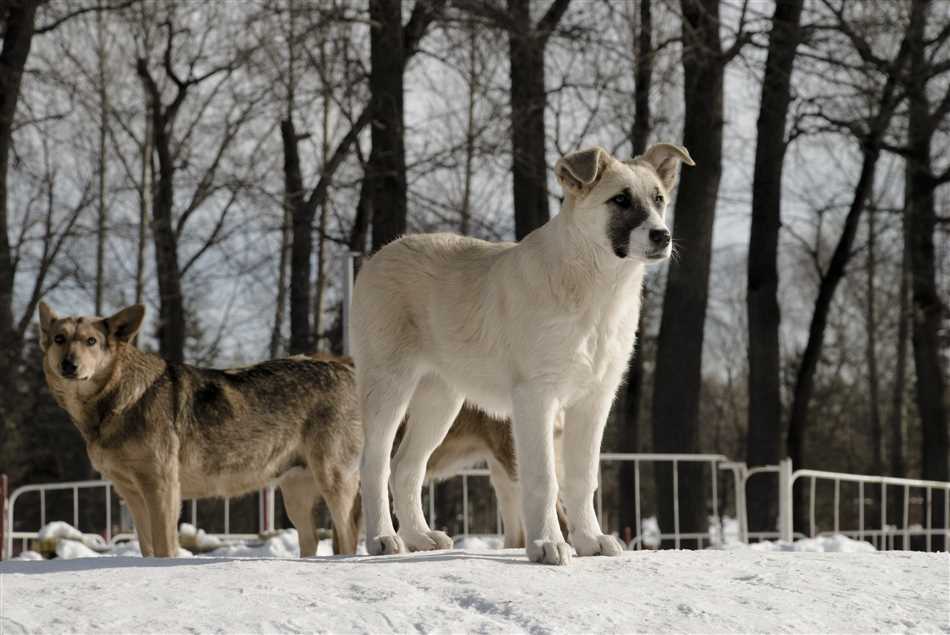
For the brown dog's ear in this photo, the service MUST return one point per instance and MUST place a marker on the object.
(47, 317)
(581, 169)
(124, 325)
(665, 159)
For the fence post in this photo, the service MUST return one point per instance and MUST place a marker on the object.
(349, 276)
(785, 498)
(3, 520)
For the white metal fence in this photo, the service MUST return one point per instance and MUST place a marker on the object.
(11, 535)
(914, 492)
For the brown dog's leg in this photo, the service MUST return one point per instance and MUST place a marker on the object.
(130, 494)
(299, 490)
(341, 496)
(163, 498)
(508, 493)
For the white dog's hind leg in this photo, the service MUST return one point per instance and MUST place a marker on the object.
(583, 432)
(385, 396)
(432, 410)
(533, 429)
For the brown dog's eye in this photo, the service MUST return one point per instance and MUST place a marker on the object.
(91, 341)
(59, 339)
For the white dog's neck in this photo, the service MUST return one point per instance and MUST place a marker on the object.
(593, 274)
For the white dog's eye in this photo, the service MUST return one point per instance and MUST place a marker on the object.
(91, 341)
(622, 199)
(658, 198)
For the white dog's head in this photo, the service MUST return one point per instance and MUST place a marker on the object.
(621, 205)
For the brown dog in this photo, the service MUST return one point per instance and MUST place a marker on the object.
(163, 431)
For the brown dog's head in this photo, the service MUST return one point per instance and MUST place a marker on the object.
(77, 348)
(621, 205)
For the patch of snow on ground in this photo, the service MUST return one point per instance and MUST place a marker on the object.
(57, 530)
(480, 542)
(836, 543)
(484, 591)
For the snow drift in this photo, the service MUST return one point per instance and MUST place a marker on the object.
(485, 591)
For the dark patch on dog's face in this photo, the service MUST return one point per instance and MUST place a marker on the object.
(626, 214)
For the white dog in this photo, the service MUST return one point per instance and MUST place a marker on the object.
(527, 330)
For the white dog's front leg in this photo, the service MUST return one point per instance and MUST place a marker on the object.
(583, 432)
(533, 430)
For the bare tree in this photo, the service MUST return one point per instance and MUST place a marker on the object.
(167, 225)
(631, 397)
(870, 134)
(678, 377)
(765, 398)
(527, 41)
(920, 222)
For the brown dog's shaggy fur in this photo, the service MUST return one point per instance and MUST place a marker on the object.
(163, 431)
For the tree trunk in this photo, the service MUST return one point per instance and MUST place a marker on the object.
(678, 377)
(387, 163)
(103, 219)
(920, 224)
(643, 78)
(146, 175)
(874, 409)
(805, 376)
(17, 38)
(301, 245)
(281, 300)
(465, 217)
(897, 424)
(629, 403)
(171, 315)
(765, 398)
(324, 211)
(528, 99)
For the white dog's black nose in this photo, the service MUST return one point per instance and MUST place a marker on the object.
(660, 237)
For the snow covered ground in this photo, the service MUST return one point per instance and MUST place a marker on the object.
(736, 590)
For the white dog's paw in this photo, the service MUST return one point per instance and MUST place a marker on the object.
(385, 546)
(549, 552)
(426, 541)
(596, 545)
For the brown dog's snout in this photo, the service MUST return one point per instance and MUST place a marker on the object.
(68, 366)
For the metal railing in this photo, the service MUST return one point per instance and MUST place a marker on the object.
(265, 518)
(716, 462)
(885, 535)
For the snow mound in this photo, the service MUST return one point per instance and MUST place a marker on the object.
(59, 530)
(836, 543)
(709, 591)
(196, 539)
(480, 542)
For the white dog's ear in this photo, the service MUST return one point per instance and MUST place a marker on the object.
(665, 159)
(581, 169)
(126, 323)
(47, 317)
